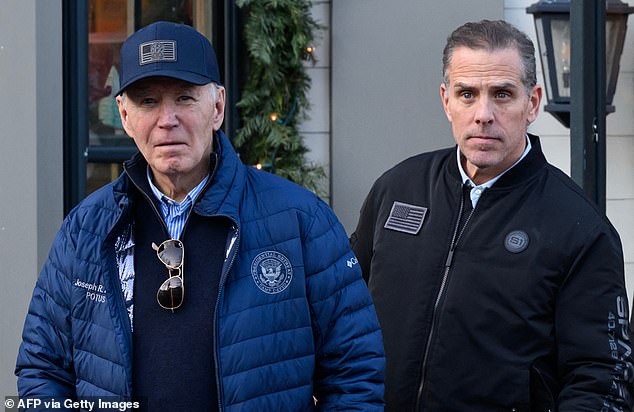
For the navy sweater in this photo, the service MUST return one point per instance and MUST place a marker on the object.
(173, 363)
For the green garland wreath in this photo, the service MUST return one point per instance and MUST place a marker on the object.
(279, 35)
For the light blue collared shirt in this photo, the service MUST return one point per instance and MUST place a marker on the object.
(175, 214)
(476, 191)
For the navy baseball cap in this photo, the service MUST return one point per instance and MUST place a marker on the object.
(170, 50)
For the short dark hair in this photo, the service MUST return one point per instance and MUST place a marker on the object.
(492, 35)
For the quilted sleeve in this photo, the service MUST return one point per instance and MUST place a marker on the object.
(350, 359)
(44, 365)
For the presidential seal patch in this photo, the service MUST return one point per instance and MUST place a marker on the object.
(272, 272)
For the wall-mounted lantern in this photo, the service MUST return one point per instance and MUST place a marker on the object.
(552, 24)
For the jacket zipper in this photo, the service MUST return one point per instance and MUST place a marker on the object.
(166, 230)
(448, 262)
(118, 281)
(232, 250)
(156, 211)
(202, 192)
(158, 214)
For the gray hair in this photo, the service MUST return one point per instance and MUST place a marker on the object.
(492, 35)
(214, 91)
(213, 94)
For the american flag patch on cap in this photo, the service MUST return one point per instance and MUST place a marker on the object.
(157, 51)
(406, 218)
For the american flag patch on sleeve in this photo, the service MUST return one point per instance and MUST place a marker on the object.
(406, 218)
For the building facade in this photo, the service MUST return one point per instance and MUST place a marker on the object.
(375, 101)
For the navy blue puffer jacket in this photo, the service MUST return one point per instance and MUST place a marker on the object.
(317, 337)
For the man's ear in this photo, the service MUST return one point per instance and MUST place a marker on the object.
(219, 108)
(534, 100)
(444, 96)
(123, 114)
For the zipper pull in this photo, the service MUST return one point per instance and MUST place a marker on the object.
(449, 258)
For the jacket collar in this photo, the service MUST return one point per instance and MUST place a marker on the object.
(222, 196)
(521, 172)
(226, 188)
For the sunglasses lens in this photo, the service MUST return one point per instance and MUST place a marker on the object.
(170, 294)
(171, 253)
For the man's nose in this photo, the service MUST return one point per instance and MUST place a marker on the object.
(484, 111)
(167, 115)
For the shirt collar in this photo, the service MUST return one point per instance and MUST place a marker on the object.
(166, 200)
(466, 180)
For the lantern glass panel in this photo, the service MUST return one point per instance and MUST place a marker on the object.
(614, 39)
(543, 51)
(611, 39)
(561, 48)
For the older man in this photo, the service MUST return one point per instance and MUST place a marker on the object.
(498, 285)
(193, 282)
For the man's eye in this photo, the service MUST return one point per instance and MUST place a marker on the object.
(466, 95)
(148, 101)
(502, 95)
(185, 98)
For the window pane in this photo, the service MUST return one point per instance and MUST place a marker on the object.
(178, 11)
(107, 29)
(99, 174)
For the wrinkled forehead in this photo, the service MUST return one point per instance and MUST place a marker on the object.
(154, 85)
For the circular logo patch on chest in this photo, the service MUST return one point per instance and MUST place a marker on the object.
(272, 272)
(516, 241)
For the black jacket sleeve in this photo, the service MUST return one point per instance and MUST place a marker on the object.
(592, 329)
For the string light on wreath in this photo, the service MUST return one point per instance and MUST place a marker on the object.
(309, 54)
(276, 118)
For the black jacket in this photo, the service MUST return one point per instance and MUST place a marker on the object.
(528, 312)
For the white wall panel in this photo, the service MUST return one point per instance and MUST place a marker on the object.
(620, 168)
(319, 96)
(316, 128)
